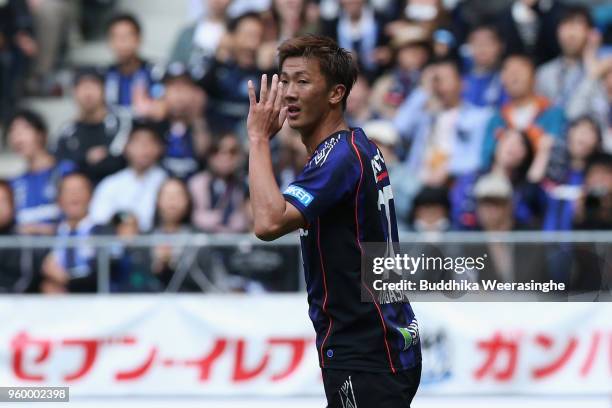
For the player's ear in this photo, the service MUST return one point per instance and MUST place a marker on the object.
(336, 94)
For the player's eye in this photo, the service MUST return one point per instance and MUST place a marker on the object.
(302, 81)
(284, 81)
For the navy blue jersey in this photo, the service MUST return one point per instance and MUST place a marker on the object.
(36, 194)
(345, 196)
(119, 87)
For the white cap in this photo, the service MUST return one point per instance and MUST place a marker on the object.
(381, 131)
(493, 185)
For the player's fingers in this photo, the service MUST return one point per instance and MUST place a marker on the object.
(278, 102)
(273, 91)
(252, 98)
(282, 116)
(263, 92)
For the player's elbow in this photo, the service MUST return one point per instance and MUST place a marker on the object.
(267, 233)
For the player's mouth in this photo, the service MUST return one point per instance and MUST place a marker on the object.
(293, 111)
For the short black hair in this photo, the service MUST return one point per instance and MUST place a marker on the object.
(448, 60)
(521, 56)
(88, 72)
(33, 119)
(124, 18)
(572, 12)
(486, 27)
(336, 63)
(151, 127)
(233, 24)
(71, 174)
(599, 159)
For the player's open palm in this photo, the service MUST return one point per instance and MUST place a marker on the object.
(267, 116)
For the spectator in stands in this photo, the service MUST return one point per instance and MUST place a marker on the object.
(134, 188)
(404, 185)
(226, 81)
(594, 207)
(583, 141)
(526, 111)
(185, 131)
(173, 265)
(594, 97)
(514, 156)
(360, 29)
(482, 82)
(131, 81)
(431, 210)
(96, 139)
(505, 262)
(290, 158)
(410, 54)
(196, 45)
(17, 47)
(131, 264)
(35, 190)
(529, 26)
(17, 265)
(69, 267)
(285, 19)
(53, 21)
(444, 133)
(358, 105)
(219, 193)
(558, 79)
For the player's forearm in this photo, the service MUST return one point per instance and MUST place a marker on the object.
(267, 202)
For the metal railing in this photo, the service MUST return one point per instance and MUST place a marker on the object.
(105, 246)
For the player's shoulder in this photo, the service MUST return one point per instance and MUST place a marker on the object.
(336, 150)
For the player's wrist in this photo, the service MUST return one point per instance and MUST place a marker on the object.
(259, 140)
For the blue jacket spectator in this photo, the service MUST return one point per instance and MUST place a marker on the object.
(35, 191)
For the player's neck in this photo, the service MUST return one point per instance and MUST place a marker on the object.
(331, 124)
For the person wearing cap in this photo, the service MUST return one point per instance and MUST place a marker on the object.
(411, 51)
(495, 211)
(431, 210)
(95, 139)
(494, 207)
(184, 130)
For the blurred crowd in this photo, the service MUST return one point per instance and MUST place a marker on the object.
(489, 118)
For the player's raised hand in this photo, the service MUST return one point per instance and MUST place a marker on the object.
(267, 116)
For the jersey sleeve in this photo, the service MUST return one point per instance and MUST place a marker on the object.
(330, 177)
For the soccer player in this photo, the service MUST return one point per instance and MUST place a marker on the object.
(369, 353)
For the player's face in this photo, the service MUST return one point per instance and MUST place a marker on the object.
(306, 92)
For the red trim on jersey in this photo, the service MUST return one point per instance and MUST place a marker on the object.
(325, 290)
(382, 176)
(382, 320)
